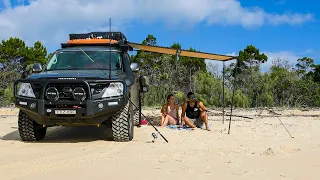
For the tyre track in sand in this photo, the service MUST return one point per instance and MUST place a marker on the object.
(70, 157)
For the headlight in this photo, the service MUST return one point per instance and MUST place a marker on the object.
(26, 90)
(114, 89)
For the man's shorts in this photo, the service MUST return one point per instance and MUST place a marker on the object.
(198, 122)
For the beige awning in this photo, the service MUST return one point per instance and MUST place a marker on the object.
(172, 51)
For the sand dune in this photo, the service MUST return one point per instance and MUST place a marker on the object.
(258, 148)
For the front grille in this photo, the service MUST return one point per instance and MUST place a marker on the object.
(37, 88)
(65, 91)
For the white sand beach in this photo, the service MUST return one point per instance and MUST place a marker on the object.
(258, 148)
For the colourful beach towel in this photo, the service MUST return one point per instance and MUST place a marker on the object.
(179, 127)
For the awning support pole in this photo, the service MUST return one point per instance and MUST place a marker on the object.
(223, 98)
(234, 87)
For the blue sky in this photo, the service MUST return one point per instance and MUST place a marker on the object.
(281, 28)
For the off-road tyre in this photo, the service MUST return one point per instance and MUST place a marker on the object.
(29, 130)
(136, 115)
(122, 124)
(136, 118)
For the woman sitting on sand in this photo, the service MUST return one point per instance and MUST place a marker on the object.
(170, 112)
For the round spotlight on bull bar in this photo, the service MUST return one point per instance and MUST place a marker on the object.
(52, 93)
(100, 105)
(79, 93)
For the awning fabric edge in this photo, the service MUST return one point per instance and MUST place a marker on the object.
(172, 51)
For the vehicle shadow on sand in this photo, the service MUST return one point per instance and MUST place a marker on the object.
(68, 135)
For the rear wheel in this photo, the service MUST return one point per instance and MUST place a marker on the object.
(29, 130)
(122, 124)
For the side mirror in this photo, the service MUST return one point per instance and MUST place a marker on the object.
(134, 67)
(36, 68)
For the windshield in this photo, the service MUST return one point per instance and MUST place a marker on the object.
(66, 60)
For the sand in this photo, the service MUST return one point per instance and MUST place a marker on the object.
(258, 148)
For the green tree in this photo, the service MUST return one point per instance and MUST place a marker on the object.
(316, 73)
(248, 74)
(37, 54)
(304, 65)
(16, 56)
(13, 51)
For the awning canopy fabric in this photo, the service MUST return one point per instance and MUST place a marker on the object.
(172, 51)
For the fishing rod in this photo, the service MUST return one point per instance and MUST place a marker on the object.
(147, 119)
(277, 115)
(285, 128)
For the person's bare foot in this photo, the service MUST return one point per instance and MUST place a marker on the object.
(208, 129)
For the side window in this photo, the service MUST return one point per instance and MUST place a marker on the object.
(119, 60)
(53, 61)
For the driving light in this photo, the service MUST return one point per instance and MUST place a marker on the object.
(26, 90)
(114, 89)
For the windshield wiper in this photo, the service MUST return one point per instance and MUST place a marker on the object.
(97, 64)
(92, 60)
(89, 57)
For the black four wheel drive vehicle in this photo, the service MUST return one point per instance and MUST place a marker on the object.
(89, 81)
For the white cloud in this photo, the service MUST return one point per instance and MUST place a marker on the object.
(216, 67)
(51, 21)
(283, 55)
(289, 18)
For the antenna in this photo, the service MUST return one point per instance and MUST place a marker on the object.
(110, 50)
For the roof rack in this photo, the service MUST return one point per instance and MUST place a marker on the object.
(92, 41)
(118, 36)
(114, 39)
(67, 45)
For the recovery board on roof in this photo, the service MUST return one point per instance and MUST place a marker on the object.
(119, 36)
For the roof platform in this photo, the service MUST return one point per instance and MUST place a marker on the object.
(112, 39)
(118, 36)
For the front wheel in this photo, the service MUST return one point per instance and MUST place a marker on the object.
(122, 124)
(29, 130)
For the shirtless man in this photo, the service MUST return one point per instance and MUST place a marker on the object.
(194, 113)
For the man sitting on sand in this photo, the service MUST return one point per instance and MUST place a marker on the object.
(194, 113)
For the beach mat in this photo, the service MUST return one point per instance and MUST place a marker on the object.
(179, 127)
